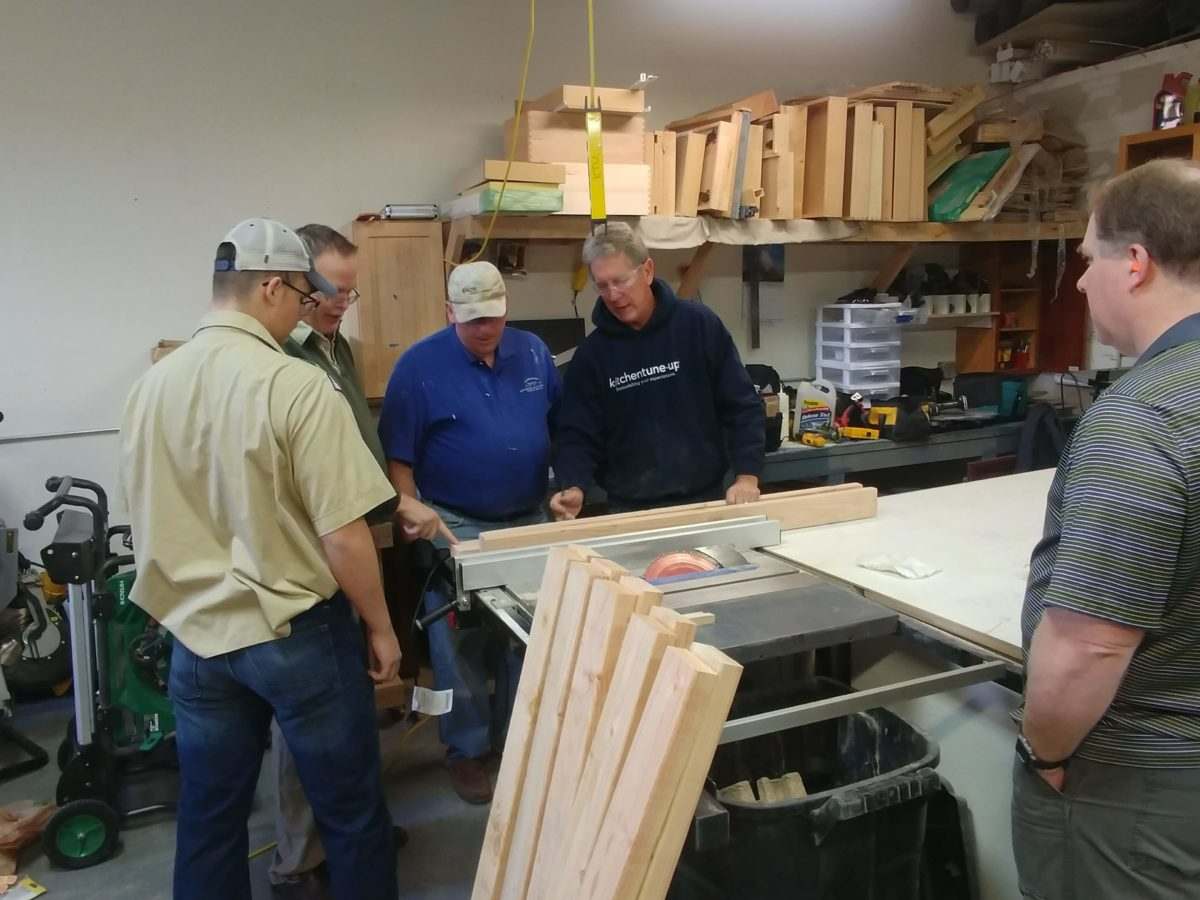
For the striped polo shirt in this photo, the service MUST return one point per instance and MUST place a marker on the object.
(1122, 543)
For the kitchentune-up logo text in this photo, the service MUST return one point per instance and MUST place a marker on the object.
(644, 375)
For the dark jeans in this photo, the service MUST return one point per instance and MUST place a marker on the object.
(1114, 833)
(316, 686)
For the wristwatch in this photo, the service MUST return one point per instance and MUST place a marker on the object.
(1031, 760)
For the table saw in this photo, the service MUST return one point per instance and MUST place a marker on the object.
(765, 607)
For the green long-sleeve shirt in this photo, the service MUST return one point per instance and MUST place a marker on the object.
(335, 357)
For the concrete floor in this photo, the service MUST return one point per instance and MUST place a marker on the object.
(438, 863)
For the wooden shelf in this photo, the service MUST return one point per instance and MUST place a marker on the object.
(1017, 290)
(1018, 330)
(946, 323)
(576, 228)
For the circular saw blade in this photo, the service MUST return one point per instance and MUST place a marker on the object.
(680, 562)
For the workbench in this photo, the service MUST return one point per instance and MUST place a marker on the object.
(831, 464)
(980, 534)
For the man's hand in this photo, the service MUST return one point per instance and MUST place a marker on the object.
(1054, 777)
(743, 490)
(418, 521)
(383, 654)
(566, 504)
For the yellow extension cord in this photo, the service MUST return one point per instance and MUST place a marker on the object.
(512, 144)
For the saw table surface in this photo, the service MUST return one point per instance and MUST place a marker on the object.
(980, 534)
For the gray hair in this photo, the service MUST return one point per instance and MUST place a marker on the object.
(616, 237)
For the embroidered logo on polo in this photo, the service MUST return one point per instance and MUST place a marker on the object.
(532, 385)
(644, 375)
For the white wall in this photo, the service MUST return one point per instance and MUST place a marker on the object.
(1100, 105)
(138, 131)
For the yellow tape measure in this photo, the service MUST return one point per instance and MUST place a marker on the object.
(595, 155)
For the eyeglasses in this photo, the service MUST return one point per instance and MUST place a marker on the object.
(351, 296)
(618, 284)
(306, 297)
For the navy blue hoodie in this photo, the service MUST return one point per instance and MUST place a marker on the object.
(659, 415)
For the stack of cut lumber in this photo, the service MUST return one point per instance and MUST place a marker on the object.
(949, 134)
(616, 721)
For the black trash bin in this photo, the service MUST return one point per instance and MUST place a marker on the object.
(859, 833)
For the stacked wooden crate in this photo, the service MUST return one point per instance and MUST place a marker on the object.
(617, 717)
(552, 129)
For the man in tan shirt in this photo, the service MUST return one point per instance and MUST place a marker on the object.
(247, 483)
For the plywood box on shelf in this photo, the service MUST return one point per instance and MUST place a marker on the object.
(689, 167)
(858, 161)
(550, 137)
(494, 169)
(784, 143)
(627, 189)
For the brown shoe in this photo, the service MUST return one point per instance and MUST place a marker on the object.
(470, 780)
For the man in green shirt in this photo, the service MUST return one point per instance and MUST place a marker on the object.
(317, 339)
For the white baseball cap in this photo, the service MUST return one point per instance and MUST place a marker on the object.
(477, 291)
(264, 245)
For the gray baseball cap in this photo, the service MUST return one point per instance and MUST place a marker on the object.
(477, 291)
(264, 245)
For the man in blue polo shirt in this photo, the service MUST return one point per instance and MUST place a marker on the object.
(465, 426)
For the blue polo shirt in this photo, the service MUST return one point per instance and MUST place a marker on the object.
(477, 438)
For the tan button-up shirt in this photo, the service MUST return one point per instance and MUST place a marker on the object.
(235, 459)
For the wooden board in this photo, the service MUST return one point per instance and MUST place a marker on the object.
(562, 137)
(875, 204)
(886, 116)
(683, 629)
(935, 168)
(541, 173)
(952, 137)
(660, 155)
(778, 187)
(825, 158)
(665, 855)
(918, 203)
(543, 745)
(949, 118)
(720, 159)
(820, 509)
(752, 178)
(689, 166)
(678, 705)
(609, 609)
(902, 192)
(616, 523)
(510, 784)
(764, 103)
(575, 97)
(858, 161)
(637, 665)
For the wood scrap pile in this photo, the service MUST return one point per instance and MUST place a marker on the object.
(616, 721)
(1041, 179)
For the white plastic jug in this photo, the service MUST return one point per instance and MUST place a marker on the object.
(816, 402)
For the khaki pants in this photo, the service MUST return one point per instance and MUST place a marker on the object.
(1114, 832)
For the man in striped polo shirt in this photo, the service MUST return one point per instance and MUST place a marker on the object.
(1106, 787)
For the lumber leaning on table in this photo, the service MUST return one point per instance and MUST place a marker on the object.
(510, 783)
(548, 727)
(678, 705)
(610, 606)
(795, 509)
(665, 855)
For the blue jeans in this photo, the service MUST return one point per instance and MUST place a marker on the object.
(463, 659)
(316, 685)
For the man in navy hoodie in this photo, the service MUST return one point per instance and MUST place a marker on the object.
(657, 406)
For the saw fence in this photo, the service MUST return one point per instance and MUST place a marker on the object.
(616, 721)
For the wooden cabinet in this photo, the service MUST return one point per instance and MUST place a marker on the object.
(403, 288)
(1168, 143)
(1041, 324)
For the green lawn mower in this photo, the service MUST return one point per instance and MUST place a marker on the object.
(118, 758)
